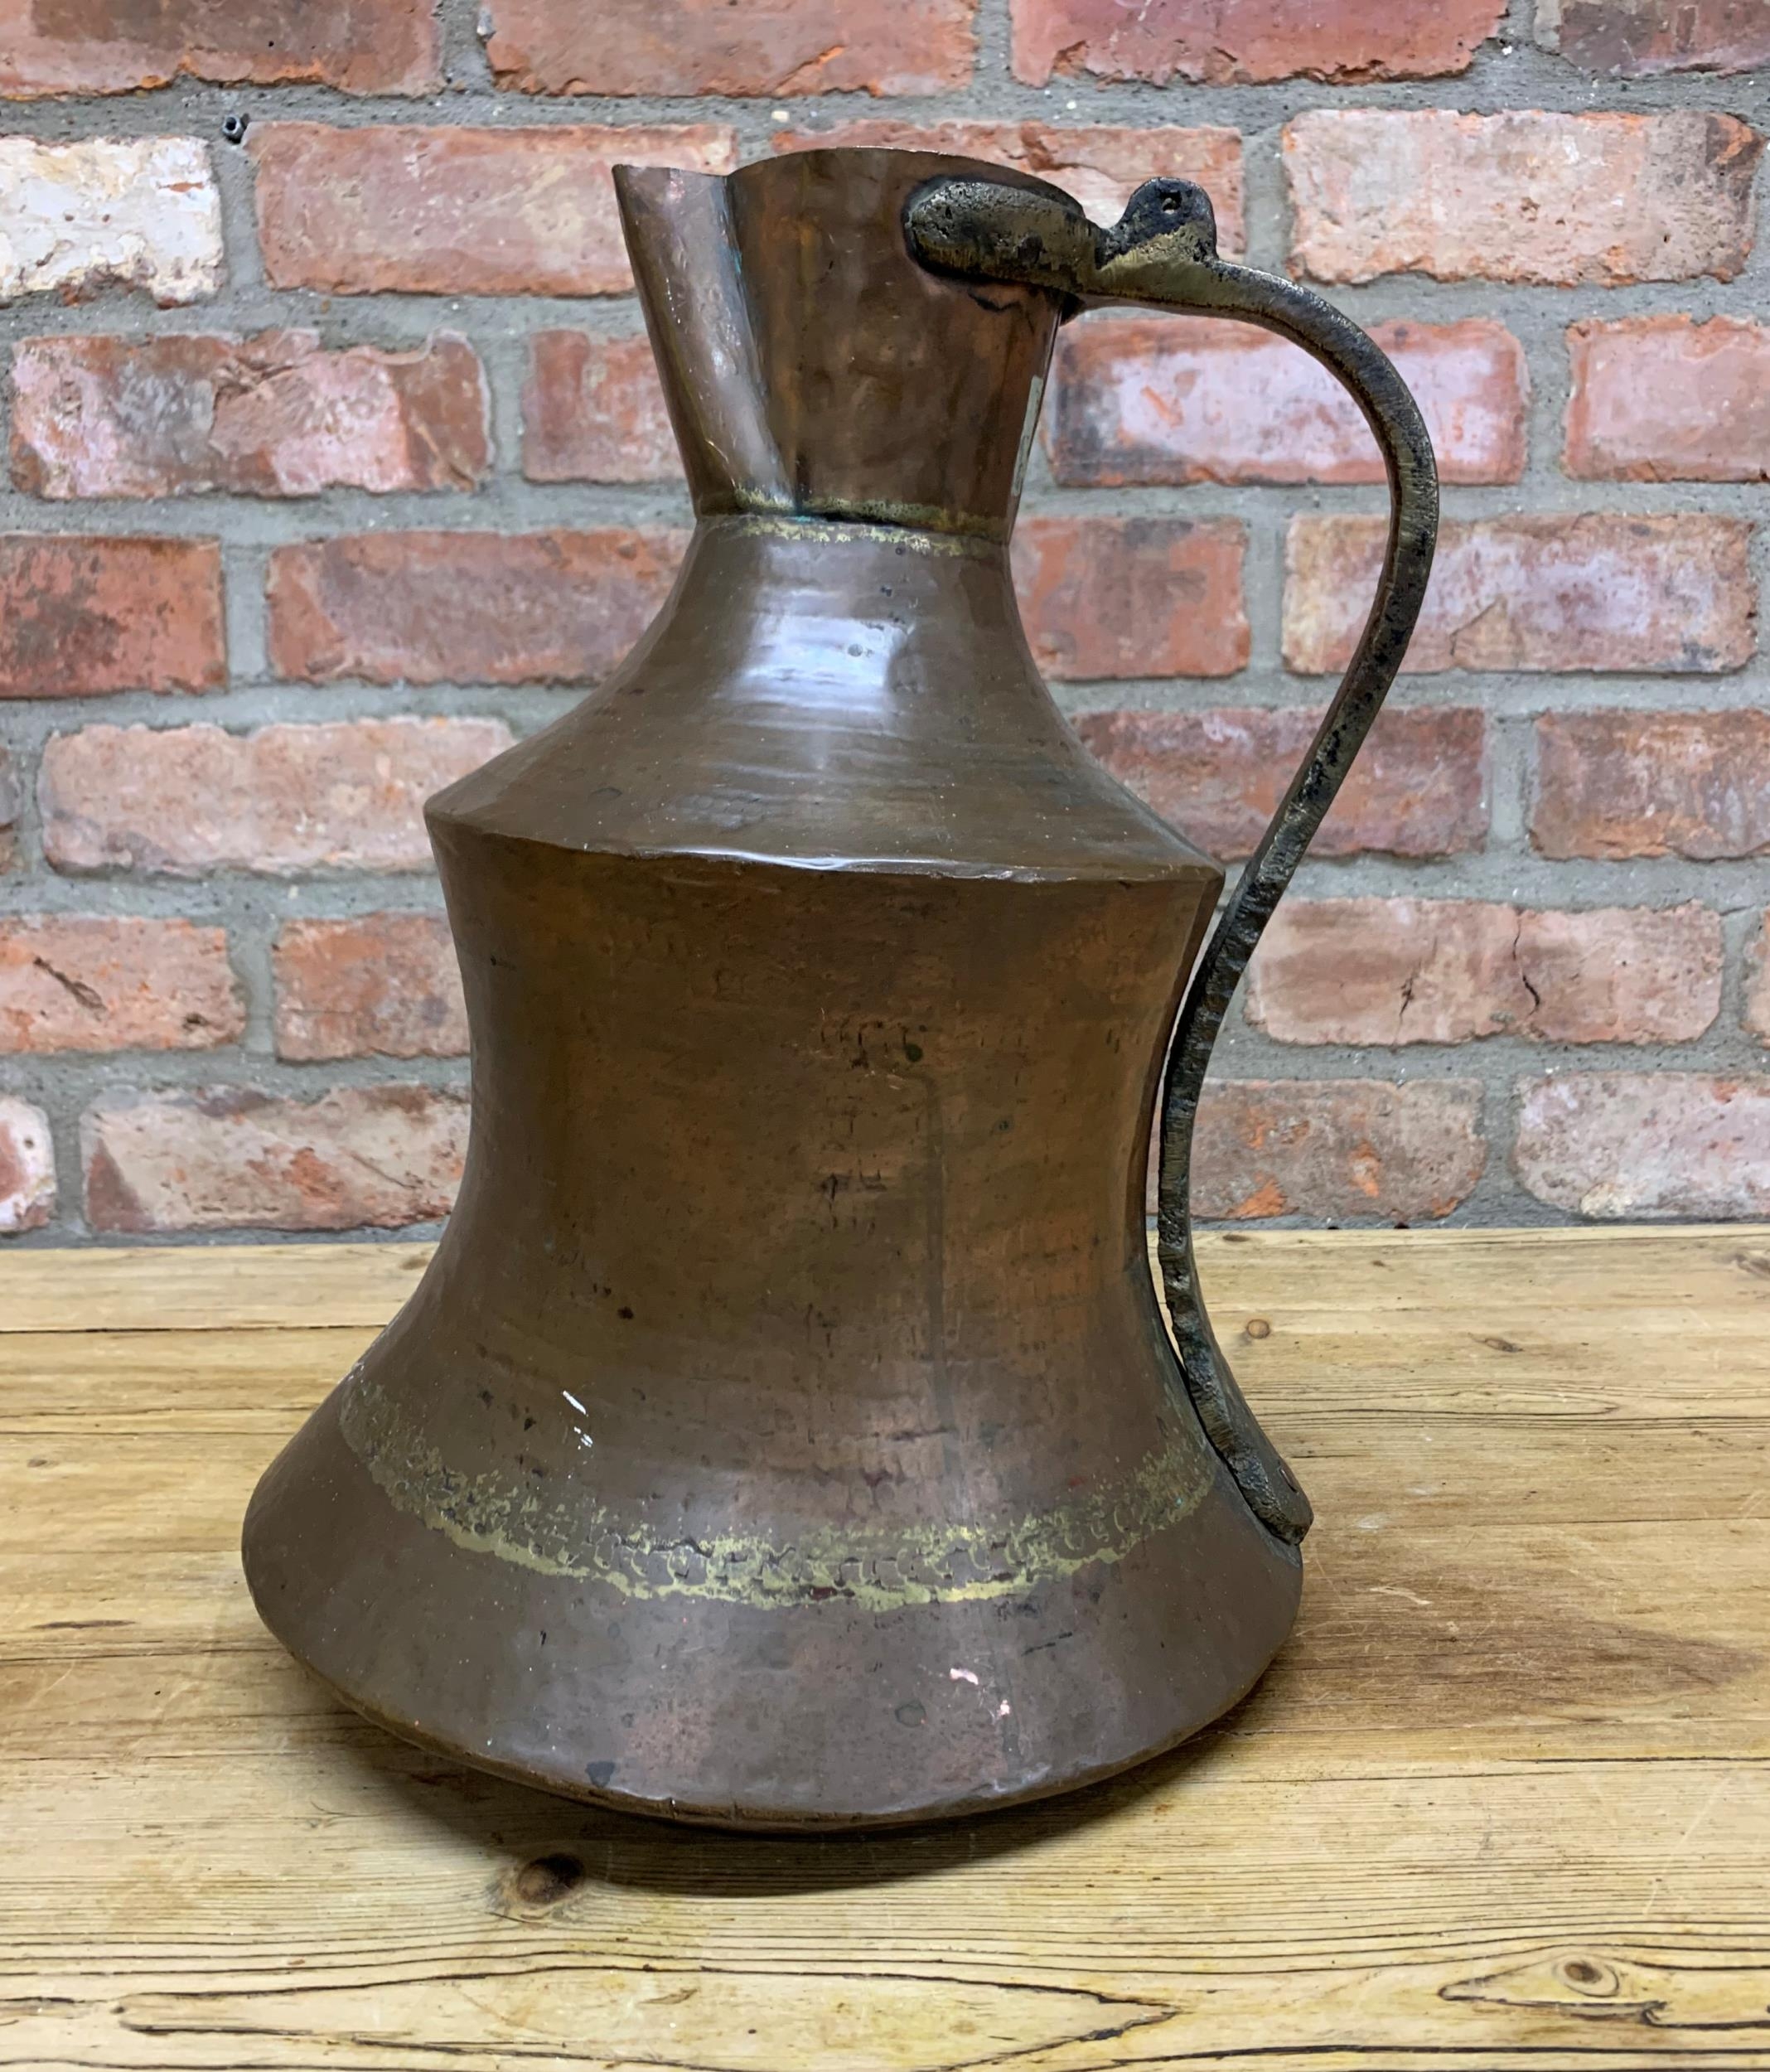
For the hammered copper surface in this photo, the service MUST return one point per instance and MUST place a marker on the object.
(786, 1432)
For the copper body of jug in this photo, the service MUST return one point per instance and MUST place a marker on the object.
(786, 1433)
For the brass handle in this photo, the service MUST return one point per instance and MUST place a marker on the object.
(1162, 252)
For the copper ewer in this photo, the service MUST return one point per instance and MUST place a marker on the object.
(786, 1433)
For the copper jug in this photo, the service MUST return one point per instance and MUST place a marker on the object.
(786, 1433)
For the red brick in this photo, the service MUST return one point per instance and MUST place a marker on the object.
(708, 47)
(1665, 398)
(1758, 982)
(118, 982)
(445, 211)
(1394, 971)
(1616, 784)
(1418, 788)
(1236, 41)
(109, 212)
(8, 813)
(1569, 201)
(346, 795)
(1335, 1150)
(1622, 975)
(116, 46)
(380, 984)
(1599, 591)
(593, 411)
(1161, 399)
(27, 1167)
(1631, 38)
(1133, 597)
(427, 608)
(82, 617)
(1624, 1145)
(1100, 165)
(231, 1158)
(273, 415)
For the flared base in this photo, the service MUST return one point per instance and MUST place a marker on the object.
(696, 1711)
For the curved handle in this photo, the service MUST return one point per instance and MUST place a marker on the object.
(1162, 252)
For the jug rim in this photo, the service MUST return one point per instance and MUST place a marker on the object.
(941, 165)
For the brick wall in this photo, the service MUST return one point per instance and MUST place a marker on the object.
(336, 462)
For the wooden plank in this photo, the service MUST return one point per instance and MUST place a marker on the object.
(1553, 1370)
(1687, 1268)
(1564, 1470)
(1519, 1640)
(65, 1606)
(356, 1909)
(105, 1700)
(1503, 1802)
(205, 1287)
(67, 1383)
(1502, 1645)
(387, 1837)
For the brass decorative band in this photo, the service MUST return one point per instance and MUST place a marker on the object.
(881, 1567)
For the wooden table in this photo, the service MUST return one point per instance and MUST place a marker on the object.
(1504, 1801)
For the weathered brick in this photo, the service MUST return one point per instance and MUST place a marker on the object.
(427, 608)
(116, 46)
(1619, 783)
(82, 617)
(445, 211)
(1622, 1144)
(708, 47)
(115, 982)
(1418, 788)
(1133, 597)
(8, 812)
(1630, 38)
(1160, 399)
(273, 415)
(345, 794)
(1758, 982)
(1237, 41)
(139, 212)
(379, 984)
(1340, 1149)
(1100, 165)
(1599, 591)
(1446, 970)
(232, 1158)
(1665, 398)
(27, 1167)
(1568, 201)
(593, 411)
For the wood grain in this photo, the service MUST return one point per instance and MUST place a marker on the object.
(1504, 1802)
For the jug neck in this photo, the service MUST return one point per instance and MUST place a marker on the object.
(812, 366)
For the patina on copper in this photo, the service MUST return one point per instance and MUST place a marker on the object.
(786, 1433)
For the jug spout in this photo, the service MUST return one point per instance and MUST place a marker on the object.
(679, 232)
(812, 366)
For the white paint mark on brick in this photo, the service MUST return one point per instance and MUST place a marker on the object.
(109, 212)
(27, 1167)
